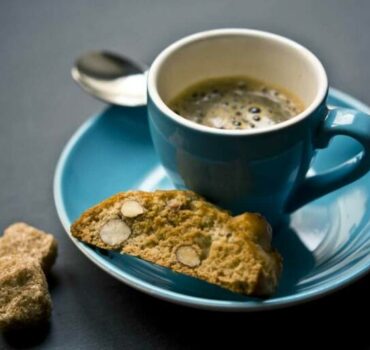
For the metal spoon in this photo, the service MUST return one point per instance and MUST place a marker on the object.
(111, 78)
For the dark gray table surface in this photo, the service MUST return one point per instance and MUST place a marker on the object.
(40, 107)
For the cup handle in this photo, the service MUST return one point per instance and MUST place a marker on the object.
(339, 121)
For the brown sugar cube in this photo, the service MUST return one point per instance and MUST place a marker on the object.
(24, 296)
(26, 240)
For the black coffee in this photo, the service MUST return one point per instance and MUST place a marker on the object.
(236, 103)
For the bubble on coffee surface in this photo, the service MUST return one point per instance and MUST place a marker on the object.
(236, 103)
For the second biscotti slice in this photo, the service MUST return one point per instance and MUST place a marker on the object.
(182, 231)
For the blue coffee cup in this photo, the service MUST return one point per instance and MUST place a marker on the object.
(264, 170)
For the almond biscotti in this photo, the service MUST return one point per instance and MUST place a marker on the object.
(181, 231)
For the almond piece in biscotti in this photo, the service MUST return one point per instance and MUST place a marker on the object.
(187, 256)
(131, 208)
(115, 232)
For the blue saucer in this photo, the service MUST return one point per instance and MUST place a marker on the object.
(325, 246)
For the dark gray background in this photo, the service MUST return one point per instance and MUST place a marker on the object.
(40, 107)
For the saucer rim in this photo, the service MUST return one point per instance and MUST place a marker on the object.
(179, 298)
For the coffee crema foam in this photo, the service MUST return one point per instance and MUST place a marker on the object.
(236, 103)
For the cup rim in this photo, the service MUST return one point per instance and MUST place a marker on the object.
(157, 63)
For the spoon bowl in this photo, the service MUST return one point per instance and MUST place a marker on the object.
(111, 78)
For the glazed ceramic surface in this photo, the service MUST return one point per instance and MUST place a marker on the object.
(260, 169)
(325, 244)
